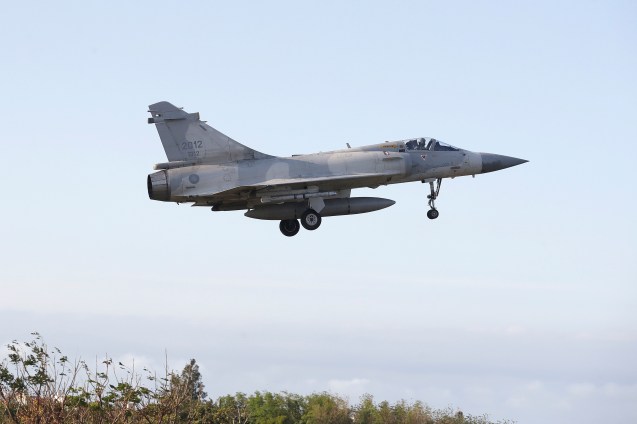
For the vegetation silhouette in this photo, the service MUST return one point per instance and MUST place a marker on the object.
(38, 385)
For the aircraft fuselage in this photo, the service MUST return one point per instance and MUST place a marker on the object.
(208, 168)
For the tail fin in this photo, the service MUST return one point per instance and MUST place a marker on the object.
(186, 138)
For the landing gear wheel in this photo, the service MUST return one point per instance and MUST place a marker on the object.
(435, 190)
(310, 220)
(289, 227)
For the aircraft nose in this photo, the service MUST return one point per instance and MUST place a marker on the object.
(491, 162)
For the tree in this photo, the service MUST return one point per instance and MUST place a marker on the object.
(190, 381)
(324, 408)
(366, 412)
(232, 409)
(275, 408)
(179, 400)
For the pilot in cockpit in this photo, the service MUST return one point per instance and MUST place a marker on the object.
(411, 145)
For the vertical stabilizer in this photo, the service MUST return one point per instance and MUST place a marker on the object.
(186, 138)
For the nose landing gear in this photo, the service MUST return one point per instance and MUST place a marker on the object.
(433, 213)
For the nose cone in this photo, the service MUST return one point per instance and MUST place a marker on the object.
(492, 162)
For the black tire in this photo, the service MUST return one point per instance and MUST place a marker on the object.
(311, 220)
(289, 227)
(432, 213)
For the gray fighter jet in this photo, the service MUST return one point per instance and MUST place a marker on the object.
(208, 168)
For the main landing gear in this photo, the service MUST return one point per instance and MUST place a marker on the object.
(289, 227)
(433, 213)
(310, 220)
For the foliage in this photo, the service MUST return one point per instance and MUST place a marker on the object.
(38, 385)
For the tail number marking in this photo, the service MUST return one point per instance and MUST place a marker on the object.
(191, 145)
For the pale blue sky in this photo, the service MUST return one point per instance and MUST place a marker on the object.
(519, 301)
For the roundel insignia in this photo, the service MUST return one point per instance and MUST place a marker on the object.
(193, 178)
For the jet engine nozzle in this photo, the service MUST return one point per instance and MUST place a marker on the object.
(158, 187)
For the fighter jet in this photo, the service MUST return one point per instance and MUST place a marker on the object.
(208, 168)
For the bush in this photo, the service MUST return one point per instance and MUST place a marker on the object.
(42, 386)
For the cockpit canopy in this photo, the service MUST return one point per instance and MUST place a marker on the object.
(426, 143)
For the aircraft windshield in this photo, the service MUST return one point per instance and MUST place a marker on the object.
(439, 146)
(429, 144)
